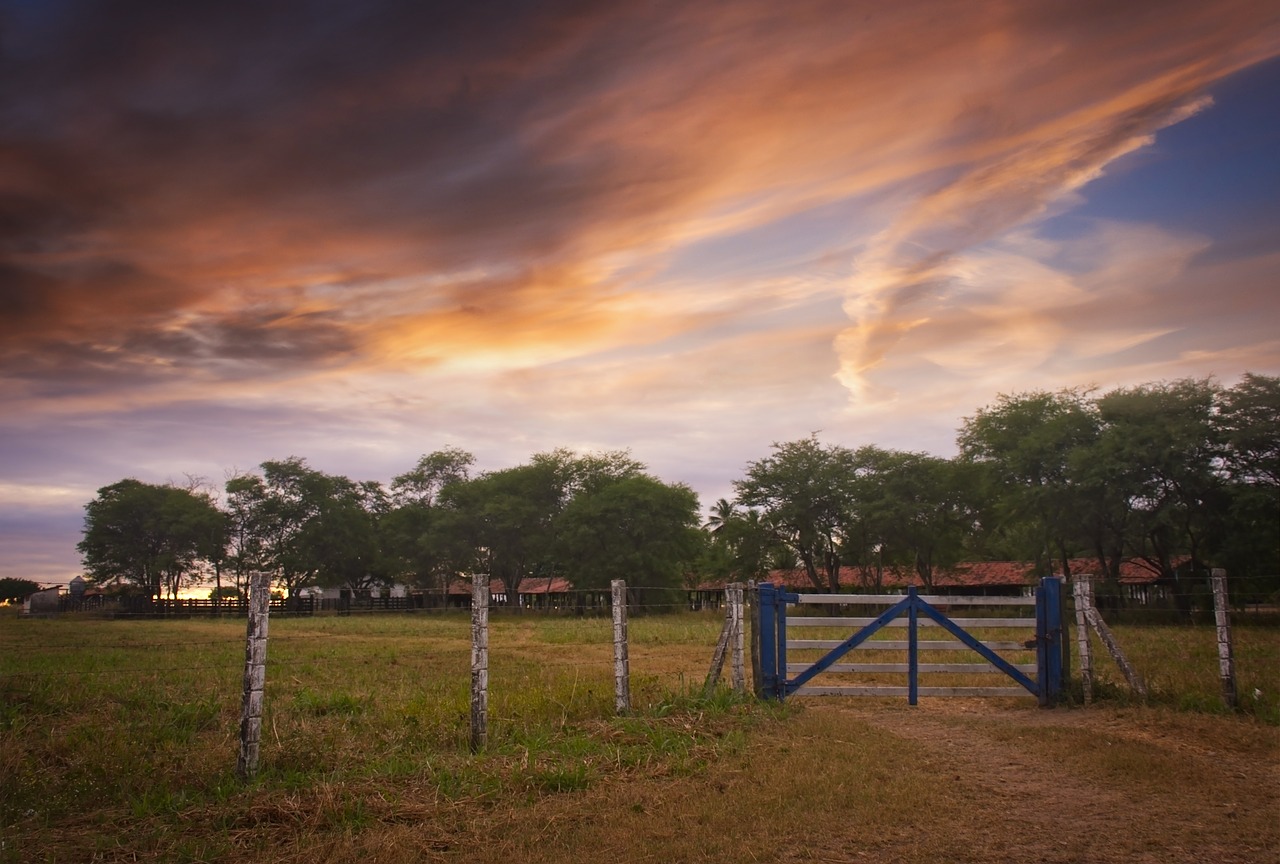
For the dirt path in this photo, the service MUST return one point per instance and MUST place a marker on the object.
(977, 782)
(1079, 785)
(845, 781)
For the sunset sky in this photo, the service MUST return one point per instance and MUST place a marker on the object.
(358, 232)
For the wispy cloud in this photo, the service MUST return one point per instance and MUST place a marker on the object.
(368, 228)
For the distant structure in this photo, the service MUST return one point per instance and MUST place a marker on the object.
(42, 603)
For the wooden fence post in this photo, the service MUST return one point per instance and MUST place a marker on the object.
(255, 675)
(621, 659)
(735, 610)
(1226, 662)
(722, 646)
(730, 642)
(479, 662)
(1080, 587)
(1113, 647)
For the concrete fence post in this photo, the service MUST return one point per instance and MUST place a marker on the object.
(736, 618)
(479, 663)
(255, 675)
(1222, 617)
(1108, 638)
(1080, 588)
(621, 658)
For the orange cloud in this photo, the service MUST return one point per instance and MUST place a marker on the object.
(519, 194)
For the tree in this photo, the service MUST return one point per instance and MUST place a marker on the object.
(408, 529)
(250, 528)
(723, 512)
(1249, 420)
(148, 536)
(227, 592)
(1160, 445)
(911, 510)
(804, 492)
(14, 590)
(739, 545)
(635, 528)
(501, 523)
(1025, 443)
(587, 472)
(505, 523)
(342, 537)
(308, 527)
(422, 485)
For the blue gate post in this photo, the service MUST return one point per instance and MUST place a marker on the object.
(782, 599)
(767, 595)
(913, 649)
(1049, 640)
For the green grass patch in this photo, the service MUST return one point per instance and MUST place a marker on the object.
(119, 738)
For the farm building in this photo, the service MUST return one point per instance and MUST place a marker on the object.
(991, 578)
(44, 602)
(541, 593)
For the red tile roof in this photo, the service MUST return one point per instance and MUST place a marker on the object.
(976, 574)
(555, 585)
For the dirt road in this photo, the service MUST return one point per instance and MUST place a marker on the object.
(955, 781)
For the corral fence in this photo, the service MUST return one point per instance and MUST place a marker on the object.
(581, 602)
(1017, 638)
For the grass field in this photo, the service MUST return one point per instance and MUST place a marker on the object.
(118, 742)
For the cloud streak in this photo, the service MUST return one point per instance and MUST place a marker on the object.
(601, 223)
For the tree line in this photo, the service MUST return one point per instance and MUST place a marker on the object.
(1180, 476)
(588, 518)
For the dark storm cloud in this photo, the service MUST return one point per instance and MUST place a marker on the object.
(249, 346)
(160, 162)
(357, 231)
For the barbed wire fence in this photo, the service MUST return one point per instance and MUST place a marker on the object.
(1166, 644)
(1180, 643)
(130, 662)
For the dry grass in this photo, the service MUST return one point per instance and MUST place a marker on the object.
(117, 743)
(1179, 664)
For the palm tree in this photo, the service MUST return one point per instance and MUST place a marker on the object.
(722, 513)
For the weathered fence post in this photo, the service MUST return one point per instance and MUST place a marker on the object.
(621, 660)
(722, 646)
(1113, 647)
(255, 675)
(1226, 662)
(479, 663)
(753, 598)
(730, 642)
(735, 607)
(1080, 587)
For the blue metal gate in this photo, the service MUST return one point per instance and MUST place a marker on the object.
(1046, 685)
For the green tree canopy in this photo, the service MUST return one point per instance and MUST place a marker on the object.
(12, 590)
(635, 528)
(501, 523)
(149, 536)
(416, 552)
(1025, 444)
(805, 493)
(910, 510)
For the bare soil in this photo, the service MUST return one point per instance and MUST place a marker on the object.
(1079, 785)
(949, 780)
